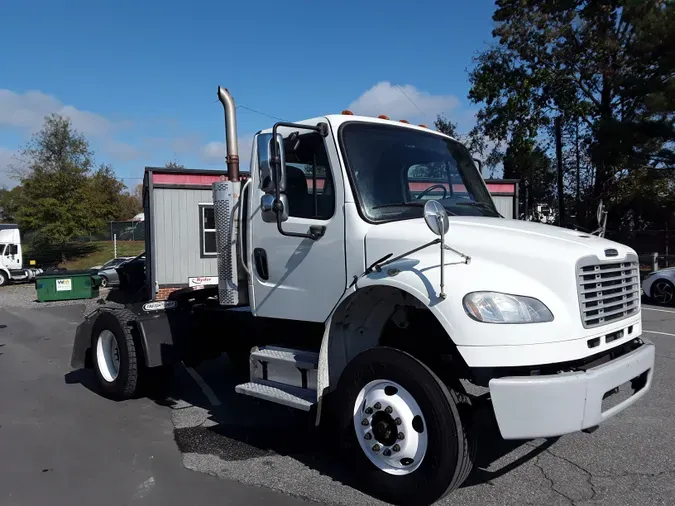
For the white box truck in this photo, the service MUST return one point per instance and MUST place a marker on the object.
(11, 257)
(378, 306)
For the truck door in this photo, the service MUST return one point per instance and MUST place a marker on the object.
(12, 259)
(298, 278)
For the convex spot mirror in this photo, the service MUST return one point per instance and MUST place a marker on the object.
(267, 208)
(598, 215)
(436, 217)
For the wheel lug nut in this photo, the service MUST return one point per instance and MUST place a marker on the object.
(388, 410)
(396, 448)
(398, 421)
(401, 435)
(386, 453)
(376, 448)
(369, 411)
(365, 422)
(368, 436)
(377, 405)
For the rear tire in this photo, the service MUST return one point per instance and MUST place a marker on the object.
(438, 452)
(114, 353)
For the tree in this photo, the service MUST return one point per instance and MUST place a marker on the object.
(445, 126)
(606, 66)
(9, 203)
(60, 195)
(173, 165)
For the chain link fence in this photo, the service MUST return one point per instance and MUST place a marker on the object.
(124, 230)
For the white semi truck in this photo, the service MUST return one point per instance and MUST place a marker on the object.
(11, 257)
(348, 290)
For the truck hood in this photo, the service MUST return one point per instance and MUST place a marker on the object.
(508, 256)
(495, 238)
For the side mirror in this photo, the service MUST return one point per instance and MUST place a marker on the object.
(267, 208)
(279, 175)
(599, 213)
(436, 217)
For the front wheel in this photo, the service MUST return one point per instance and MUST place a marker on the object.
(3, 278)
(104, 281)
(401, 428)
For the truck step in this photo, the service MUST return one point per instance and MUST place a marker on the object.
(299, 358)
(285, 366)
(287, 395)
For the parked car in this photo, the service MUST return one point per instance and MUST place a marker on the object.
(659, 286)
(108, 271)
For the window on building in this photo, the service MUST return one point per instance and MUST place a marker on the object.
(207, 231)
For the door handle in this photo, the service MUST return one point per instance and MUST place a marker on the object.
(260, 257)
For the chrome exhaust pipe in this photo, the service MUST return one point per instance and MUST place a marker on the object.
(230, 134)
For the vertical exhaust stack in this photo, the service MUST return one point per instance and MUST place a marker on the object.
(230, 134)
(231, 290)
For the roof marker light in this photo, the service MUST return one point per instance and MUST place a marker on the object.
(423, 125)
(347, 112)
(383, 116)
(404, 121)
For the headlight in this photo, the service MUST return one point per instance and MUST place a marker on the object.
(495, 307)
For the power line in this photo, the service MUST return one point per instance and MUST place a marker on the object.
(411, 101)
(260, 112)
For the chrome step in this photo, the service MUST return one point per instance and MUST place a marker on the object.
(286, 395)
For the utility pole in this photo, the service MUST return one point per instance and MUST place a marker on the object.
(558, 155)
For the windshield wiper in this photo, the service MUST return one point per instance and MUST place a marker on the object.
(401, 204)
(482, 205)
(410, 204)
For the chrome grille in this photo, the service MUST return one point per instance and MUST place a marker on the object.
(608, 292)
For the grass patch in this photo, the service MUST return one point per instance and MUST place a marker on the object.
(82, 255)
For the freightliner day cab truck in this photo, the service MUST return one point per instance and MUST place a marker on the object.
(378, 306)
(11, 257)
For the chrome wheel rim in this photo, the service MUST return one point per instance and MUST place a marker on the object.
(390, 427)
(663, 292)
(108, 355)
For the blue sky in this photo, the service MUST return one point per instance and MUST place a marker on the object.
(139, 79)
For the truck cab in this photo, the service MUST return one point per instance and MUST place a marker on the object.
(385, 294)
(11, 257)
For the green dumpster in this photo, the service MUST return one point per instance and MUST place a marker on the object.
(68, 285)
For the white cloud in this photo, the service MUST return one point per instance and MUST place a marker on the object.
(402, 102)
(215, 152)
(28, 110)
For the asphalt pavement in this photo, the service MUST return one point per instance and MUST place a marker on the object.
(61, 442)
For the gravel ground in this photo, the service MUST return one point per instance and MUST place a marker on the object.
(24, 296)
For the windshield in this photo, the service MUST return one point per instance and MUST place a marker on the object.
(396, 170)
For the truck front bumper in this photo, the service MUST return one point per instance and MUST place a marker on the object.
(528, 407)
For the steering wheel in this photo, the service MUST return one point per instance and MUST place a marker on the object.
(445, 191)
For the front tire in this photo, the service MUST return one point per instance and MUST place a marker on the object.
(3, 278)
(104, 281)
(389, 405)
(114, 354)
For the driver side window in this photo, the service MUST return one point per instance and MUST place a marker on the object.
(309, 179)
